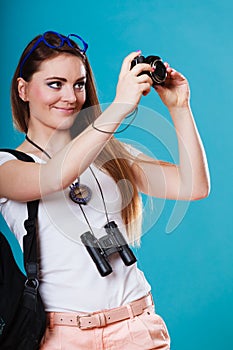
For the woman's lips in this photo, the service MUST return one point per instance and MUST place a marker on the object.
(65, 110)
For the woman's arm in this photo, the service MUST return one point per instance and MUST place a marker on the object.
(28, 181)
(190, 179)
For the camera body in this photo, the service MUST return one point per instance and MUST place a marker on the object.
(160, 73)
(100, 249)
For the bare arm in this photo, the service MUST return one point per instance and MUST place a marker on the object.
(23, 181)
(27, 181)
(189, 180)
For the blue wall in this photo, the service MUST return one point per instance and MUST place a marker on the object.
(190, 268)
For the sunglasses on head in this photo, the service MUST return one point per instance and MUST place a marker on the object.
(82, 45)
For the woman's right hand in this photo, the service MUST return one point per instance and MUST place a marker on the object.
(131, 86)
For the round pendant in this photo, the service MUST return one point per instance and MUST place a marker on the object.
(80, 194)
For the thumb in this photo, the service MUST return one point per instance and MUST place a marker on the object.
(127, 62)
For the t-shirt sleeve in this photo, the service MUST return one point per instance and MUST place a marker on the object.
(5, 157)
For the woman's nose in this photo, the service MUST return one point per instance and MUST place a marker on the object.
(69, 94)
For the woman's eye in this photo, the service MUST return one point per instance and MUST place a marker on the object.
(80, 85)
(55, 84)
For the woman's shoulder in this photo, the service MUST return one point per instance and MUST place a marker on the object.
(6, 156)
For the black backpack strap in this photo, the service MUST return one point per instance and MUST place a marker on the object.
(30, 241)
(30, 224)
(18, 154)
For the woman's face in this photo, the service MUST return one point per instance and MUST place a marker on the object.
(56, 93)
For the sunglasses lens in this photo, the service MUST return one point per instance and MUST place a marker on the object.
(54, 41)
(78, 41)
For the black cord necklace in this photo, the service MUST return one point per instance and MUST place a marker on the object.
(80, 194)
(37, 146)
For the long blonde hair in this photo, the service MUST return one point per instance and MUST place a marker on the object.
(114, 158)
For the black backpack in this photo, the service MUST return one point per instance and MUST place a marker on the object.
(22, 314)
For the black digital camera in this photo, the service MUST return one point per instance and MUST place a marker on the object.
(160, 73)
(100, 249)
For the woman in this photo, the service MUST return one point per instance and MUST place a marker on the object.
(87, 181)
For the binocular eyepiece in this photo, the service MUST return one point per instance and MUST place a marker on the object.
(100, 249)
(160, 73)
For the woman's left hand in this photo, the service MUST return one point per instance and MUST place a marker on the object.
(175, 90)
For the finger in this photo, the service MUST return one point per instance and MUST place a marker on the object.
(144, 78)
(146, 92)
(176, 75)
(169, 69)
(126, 65)
(142, 67)
(145, 88)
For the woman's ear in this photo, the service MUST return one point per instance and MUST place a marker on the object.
(22, 89)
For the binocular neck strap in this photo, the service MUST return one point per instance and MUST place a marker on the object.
(104, 203)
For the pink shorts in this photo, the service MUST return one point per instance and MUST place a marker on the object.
(143, 332)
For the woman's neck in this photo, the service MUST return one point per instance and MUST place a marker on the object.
(51, 142)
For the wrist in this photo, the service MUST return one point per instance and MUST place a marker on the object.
(122, 109)
(179, 108)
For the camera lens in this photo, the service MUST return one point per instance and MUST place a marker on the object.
(160, 73)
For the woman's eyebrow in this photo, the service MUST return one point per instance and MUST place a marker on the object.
(64, 79)
(56, 78)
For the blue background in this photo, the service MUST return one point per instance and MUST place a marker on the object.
(190, 269)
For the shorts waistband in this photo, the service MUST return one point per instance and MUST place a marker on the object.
(100, 318)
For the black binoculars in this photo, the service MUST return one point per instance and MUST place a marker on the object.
(160, 73)
(100, 249)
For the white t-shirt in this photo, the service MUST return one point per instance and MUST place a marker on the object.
(69, 278)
